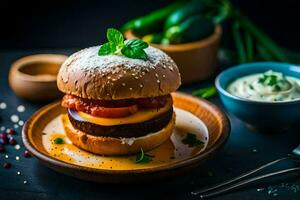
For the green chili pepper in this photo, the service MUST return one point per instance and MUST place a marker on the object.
(152, 22)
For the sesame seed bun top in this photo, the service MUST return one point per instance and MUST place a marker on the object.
(88, 75)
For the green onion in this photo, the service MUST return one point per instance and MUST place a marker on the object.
(263, 53)
(239, 42)
(205, 92)
(263, 39)
(249, 46)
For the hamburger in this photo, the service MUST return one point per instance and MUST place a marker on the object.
(118, 105)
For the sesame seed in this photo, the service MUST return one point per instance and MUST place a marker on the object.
(130, 88)
(158, 81)
(25, 182)
(21, 108)
(18, 173)
(2, 128)
(141, 85)
(114, 79)
(123, 84)
(108, 77)
(14, 118)
(164, 67)
(16, 126)
(164, 76)
(3, 105)
(6, 156)
(17, 146)
(21, 123)
(17, 158)
(156, 75)
(136, 77)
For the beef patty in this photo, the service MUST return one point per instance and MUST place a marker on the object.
(124, 130)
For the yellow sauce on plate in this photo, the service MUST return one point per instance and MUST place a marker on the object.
(171, 151)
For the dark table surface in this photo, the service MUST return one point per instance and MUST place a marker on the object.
(246, 149)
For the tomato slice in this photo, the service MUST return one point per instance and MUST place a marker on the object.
(113, 112)
(112, 108)
(99, 108)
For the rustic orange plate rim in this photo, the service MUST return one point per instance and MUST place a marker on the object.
(176, 165)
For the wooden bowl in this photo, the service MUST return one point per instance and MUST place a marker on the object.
(34, 77)
(196, 60)
(217, 129)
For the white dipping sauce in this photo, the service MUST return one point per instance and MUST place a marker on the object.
(269, 86)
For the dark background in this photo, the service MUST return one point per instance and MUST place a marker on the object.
(77, 24)
(55, 26)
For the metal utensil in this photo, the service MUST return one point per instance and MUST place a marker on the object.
(235, 183)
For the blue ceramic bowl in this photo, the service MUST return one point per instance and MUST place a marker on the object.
(265, 115)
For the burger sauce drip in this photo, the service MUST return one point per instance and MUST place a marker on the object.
(111, 108)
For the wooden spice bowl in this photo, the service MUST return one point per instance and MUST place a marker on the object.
(34, 77)
(196, 60)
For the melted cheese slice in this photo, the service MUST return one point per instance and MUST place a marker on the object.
(140, 116)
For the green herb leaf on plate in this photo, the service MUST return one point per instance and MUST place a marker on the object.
(206, 92)
(58, 141)
(191, 140)
(141, 157)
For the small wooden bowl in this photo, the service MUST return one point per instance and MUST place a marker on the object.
(34, 77)
(196, 60)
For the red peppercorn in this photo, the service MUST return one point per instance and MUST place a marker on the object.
(11, 131)
(7, 165)
(2, 149)
(26, 154)
(12, 141)
(3, 135)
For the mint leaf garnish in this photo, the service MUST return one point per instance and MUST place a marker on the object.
(136, 44)
(107, 48)
(114, 36)
(133, 48)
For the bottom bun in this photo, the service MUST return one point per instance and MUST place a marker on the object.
(116, 146)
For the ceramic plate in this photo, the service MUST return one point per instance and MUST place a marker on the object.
(193, 115)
